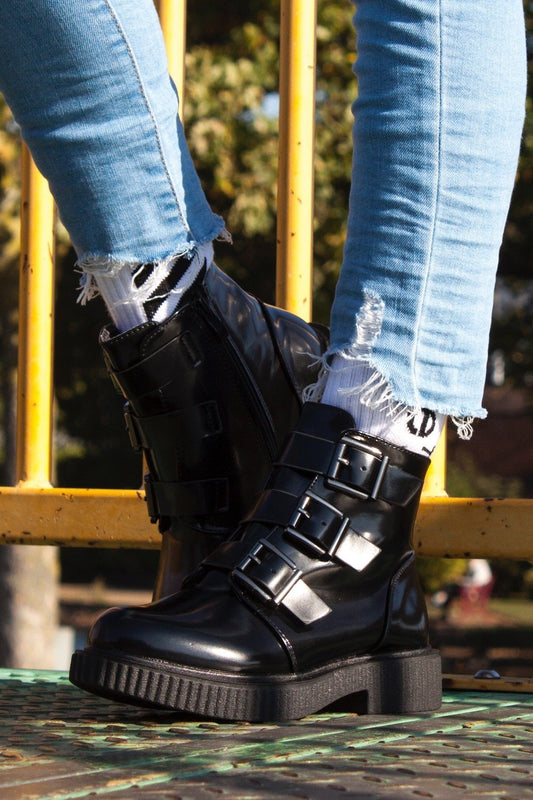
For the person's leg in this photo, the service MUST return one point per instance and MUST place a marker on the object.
(316, 596)
(87, 83)
(214, 386)
(437, 134)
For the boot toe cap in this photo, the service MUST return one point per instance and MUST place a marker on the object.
(200, 639)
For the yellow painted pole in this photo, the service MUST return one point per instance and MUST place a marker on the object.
(459, 527)
(296, 156)
(173, 16)
(435, 483)
(36, 299)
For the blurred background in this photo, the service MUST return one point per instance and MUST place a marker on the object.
(230, 115)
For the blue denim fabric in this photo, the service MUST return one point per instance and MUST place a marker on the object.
(87, 82)
(438, 122)
(437, 129)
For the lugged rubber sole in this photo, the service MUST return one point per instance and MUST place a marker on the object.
(395, 683)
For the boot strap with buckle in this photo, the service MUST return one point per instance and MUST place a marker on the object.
(315, 525)
(351, 466)
(275, 568)
(308, 530)
(269, 573)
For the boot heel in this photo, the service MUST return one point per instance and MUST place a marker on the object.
(405, 684)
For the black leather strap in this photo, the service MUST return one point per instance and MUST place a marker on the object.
(314, 525)
(294, 535)
(186, 425)
(298, 532)
(161, 360)
(352, 466)
(270, 575)
(194, 498)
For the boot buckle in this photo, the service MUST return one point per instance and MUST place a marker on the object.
(318, 525)
(323, 530)
(357, 469)
(268, 573)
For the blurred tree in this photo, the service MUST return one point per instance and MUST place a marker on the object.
(517, 250)
(512, 330)
(9, 254)
(231, 126)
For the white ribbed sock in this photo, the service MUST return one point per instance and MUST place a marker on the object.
(136, 294)
(356, 387)
(117, 293)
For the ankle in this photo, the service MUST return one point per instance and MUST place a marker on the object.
(359, 389)
(138, 293)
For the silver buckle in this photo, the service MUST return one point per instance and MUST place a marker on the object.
(339, 460)
(348, 546)
(254, 558)
(292, 592)
(301, 511)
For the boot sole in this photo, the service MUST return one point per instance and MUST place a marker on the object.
(395, 683)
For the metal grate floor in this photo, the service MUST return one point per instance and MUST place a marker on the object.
(58, 742)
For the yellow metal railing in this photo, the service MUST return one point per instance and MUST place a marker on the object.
(296, 150)
(36, 321)
(34, 512)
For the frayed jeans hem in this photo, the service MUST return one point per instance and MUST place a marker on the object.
(380, 393)
(109, 265)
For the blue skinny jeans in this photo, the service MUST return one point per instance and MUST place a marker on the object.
(438, 120)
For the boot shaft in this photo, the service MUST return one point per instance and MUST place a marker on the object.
(211, 394)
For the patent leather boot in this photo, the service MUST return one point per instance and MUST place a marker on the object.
(314, 600)
(211, 393)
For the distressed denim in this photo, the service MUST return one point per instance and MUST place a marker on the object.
(438, 121)
(438, 118)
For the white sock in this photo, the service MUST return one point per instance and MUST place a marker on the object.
(136, 294)
(356, 387)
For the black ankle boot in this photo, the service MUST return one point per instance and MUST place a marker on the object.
(314, 599)
(212, 392)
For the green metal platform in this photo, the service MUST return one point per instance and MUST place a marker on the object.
(58, 742)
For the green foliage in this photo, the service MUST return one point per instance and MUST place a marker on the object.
(9, 199)
(235, 147)
(512, 329)
(463, 479)
(9, 239)
(518, 242)
(437, 572)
